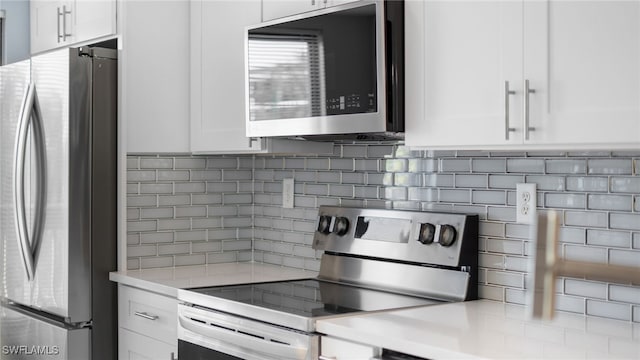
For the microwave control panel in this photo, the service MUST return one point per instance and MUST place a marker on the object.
(351, 104)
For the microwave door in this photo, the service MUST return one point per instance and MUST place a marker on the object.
(317, 74)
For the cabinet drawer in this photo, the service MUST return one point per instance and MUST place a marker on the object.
(148, 313)
(134, 346)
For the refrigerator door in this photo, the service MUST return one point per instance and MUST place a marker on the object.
(14, 82)
(28, 337)
(62, 280)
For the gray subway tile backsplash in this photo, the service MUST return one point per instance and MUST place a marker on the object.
(610, 166)
(590, 184)
(609, 309)
(583, 288)
(193, 210)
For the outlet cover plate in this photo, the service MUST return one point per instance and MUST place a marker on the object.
(526, 203)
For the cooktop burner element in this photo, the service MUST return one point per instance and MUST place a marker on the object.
(312, 298)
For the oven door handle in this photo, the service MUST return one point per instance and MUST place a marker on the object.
(245, 341)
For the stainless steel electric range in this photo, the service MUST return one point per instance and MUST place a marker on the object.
(373, 260)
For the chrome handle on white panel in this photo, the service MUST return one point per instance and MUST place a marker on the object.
(64, 14)
(146, 316)
(507, 92)
(58, 28)
(321, 357)
(527, 91)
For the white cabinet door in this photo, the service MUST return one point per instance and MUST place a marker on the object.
(459, 55)
(217, 75)
(154, 81)
(133, 346)
(583, 61)
(218, 82)
(93, 19)
(63, 23)
(148, 324)
(45, 25)
(573, 68)
(273, 9)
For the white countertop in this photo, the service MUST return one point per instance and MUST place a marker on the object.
(167, 281)
(487, 329)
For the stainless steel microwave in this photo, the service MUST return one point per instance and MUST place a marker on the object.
(334, 73)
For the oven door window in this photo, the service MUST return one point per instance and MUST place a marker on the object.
(187, 350)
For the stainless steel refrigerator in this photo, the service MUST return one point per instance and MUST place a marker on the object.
(58, 205)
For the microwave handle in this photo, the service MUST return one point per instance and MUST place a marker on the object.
(394, 67)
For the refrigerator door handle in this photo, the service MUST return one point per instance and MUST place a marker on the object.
(30, 115)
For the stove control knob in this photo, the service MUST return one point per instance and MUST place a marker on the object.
(323, 224)
(427, 233)
(342, 226)
(447, 235)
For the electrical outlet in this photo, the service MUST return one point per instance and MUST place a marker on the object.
(526, 203)
(287, 193)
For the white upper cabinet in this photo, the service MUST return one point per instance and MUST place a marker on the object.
(218, 82)
(63, 23)
(471, 63)
(459, 55)
(217, 75)
(583, 62)
(154, 81)
(273, 9)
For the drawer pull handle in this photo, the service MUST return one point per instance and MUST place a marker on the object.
(146, 316)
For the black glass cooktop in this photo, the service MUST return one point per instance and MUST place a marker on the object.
(313, 298)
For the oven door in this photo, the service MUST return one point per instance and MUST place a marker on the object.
(208, 334)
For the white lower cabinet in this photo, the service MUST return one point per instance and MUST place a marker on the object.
(332, 348)
(147, 322)
(134, 346)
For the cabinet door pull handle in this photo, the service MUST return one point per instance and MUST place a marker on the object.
(326, 357)
(59, 33)
(527, 91)
(507, 92)
(64, 35)
(146, 316)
